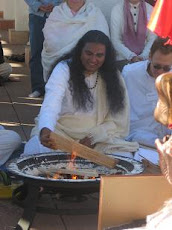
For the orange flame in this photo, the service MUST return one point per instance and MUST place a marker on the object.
(56, 176)
(72, 159)
(74, 177)
(71, 165)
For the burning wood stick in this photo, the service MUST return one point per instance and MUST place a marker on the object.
(77, 172)
(69, 145)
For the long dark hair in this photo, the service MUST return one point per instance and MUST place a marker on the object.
(108, 71)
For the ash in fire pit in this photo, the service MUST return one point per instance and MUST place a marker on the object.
(55, 167)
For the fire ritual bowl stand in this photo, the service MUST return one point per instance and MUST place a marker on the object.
(28, 194)
(32, 184)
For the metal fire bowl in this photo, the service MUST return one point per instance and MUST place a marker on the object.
(22, 167)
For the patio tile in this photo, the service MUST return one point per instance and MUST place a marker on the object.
(47, 222)
(86, 222)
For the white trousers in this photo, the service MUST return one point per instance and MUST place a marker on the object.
(9, 141)
(5, 70)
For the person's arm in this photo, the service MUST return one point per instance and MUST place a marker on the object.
(54, 94)
(1, 54)
(149, 38)
(34, 4)
(116, 28)
(149, 41)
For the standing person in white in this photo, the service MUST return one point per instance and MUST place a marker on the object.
(129, 34)
(140, 81)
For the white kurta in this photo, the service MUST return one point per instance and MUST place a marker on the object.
(117, 29)
(9, 142)
(143, 98)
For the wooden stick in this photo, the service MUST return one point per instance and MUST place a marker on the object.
(69, 145)
(78, 172)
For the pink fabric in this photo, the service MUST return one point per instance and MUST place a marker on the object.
(135, 41)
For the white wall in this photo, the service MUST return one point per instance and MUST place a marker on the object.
(2, 5)
(8, 8)
(21, 15)
(16, 10)
(105, 6)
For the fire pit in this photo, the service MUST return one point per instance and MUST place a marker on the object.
(40, 168)
(41, 171)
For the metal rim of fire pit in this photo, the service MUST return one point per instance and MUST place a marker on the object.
(19, 166)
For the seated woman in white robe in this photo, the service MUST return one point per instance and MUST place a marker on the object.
(9, 142)
(67, 23)
(85, 100)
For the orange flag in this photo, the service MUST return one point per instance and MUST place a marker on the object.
(161, 19)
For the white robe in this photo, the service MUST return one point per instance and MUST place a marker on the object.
(9, 141)
(143, 98)
(62, 31)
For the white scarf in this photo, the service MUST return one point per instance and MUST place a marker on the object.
(63, 30)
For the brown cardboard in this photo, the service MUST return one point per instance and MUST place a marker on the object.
(127, 198)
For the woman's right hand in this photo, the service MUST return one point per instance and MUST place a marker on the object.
(45, 138)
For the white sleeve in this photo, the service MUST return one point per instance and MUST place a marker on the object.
(54, 94)
(124, 72)
(116, 29)
(150, 36)
(149, 41)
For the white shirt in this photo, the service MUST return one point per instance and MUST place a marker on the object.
(143, 99)
(134, 9)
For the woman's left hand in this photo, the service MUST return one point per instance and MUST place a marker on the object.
(87, 141)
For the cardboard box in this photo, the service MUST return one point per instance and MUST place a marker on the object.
(18, 37)
(127, 198)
